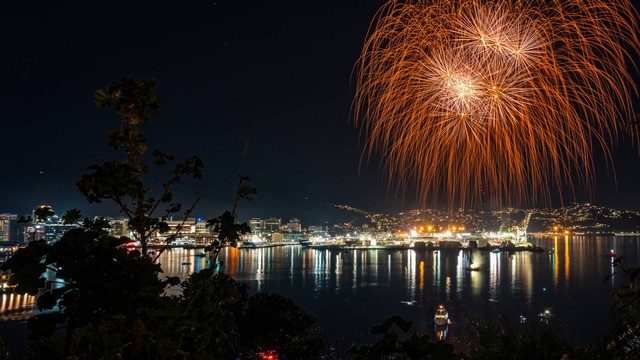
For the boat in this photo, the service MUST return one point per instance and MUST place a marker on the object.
(250, 244)
(473, 267)
(186, 263)
(442, 316)
(612, 253)
(495, 251)
(305, 242)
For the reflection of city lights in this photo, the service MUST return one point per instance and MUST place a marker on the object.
(494, 274)
(16, 306)
(613, 271)
(410, 276)
(567, 260)
(421, 280)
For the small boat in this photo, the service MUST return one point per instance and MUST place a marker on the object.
(495, 251)
(612, 253)
(442, 316)
(186, 263)
(473, 267)
(305, 242)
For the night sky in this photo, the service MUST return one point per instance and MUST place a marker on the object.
(275, 73)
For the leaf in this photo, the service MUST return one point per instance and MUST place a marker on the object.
(160, 158)
(71, 216)
(43, 212)
(102, 98)
(49, 299)
(171, 281)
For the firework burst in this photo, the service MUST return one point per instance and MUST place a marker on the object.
(505, 97)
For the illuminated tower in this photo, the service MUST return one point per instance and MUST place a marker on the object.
(9, 230)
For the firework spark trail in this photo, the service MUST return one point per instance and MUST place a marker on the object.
(504, 96)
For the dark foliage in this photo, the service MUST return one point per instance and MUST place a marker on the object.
(273, 322)
(101, 300)
(227, 228)
(539, 337)
(123, 181)
(391, 346)
(626, 312)
(97, 285)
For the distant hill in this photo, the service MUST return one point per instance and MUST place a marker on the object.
(577, 218)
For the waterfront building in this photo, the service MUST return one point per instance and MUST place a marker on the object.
(272, 225)
(292, 237)
(202, 228)
(277, 237)
(257, 226)
(182, 228)
(266, 229)
(293, 226)
(316, 230)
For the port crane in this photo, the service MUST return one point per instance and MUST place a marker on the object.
(521, 229)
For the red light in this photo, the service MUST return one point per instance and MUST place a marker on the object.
(268, 355)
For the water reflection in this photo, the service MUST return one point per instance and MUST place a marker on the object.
(441, 332)
(365, 286)
(567, 260)
(421, 280)
(436, 270)
(461, 270)
(16, 306)
(613, 271)
(554, 260)
(410, 274)
(494, 275)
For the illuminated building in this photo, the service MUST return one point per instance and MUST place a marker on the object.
(9, 230)
(293, 226)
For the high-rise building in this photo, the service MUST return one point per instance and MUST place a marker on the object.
(293, 226)
(257, 226)
(9, 229)
(54, 230)
(272, 225)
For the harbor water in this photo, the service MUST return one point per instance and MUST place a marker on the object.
(348, 291)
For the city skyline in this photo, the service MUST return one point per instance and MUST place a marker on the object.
(278, 75)
(576, 218)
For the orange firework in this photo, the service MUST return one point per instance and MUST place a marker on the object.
(506, 97)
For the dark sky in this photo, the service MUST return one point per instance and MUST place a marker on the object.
(275, 72)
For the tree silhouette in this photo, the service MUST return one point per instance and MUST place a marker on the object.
(225, 226)
(391, 346)
(103, 300)
(123, 181)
